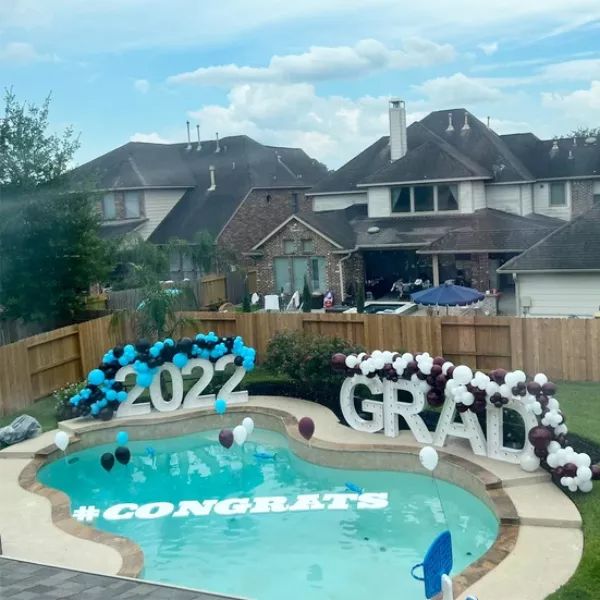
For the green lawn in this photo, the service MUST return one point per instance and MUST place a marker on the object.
(579, 402)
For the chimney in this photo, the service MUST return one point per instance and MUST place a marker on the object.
(466, 126)
(218, 148)
(450, 128)
(199, 146)
(397, 129)
(213, 182)
(189, 145)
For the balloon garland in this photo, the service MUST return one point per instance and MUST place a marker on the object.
(102, 395)
(440, 379)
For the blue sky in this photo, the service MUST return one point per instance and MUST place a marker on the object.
(315, 74)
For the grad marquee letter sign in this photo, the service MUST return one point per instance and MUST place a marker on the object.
(439, 383)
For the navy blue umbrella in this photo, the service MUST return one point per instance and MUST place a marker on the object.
(447, 294)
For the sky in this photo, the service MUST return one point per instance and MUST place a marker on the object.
(310, 74)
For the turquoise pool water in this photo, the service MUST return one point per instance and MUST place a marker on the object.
(317, 546)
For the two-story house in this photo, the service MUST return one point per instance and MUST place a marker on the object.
(162, 192)
(446, 198)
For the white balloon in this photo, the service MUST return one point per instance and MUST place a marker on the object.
(240, 434)
(540, 378)
(61, 439)
(520, 376)
(529, 462)
(553, 446)
(248, 425)
(467, 398)
(407, 356)
(377, 354)
(378, 363)
(429, 457)
(351, 361)
(462, 374)
(364, 368)
(586, 486)
(536, 407)
(553, 404)
(388, 356)
(583, 460)
(446, 366)
(491, 388)
(584, 473)
(565, 481)
(510, 380)
(361, 355)
(552, 460)
(425, 367)
(573, 487)
(505, 391)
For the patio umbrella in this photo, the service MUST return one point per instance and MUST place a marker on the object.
(447, 294)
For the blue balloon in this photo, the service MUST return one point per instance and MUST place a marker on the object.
(169, 342)
(180, 360)
(154, 351)
(122, 438)
(144, 380)
(85, 393)
(122, 396)
(124, 360)
(111, 395)
(96, 377)
(129, 349)
(220, 406)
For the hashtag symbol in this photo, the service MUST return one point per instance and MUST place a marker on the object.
(86, 513)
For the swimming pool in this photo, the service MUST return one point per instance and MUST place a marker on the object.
(231, 522)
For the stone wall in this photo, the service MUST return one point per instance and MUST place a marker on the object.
(258, 215)
(582, 196)
(480, 272)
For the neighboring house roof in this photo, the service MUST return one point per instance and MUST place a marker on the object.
(371, 159)
(490, 230)
(573, 247)
(569, 157)
(118, 229)
(241, 165)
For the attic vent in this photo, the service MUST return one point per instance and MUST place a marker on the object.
(497, 168)
(218, 147)
(450, 128)
(466, 126)
(554, 149)
(571, 157)
(574, 142)
(373, 229)
(590, 140)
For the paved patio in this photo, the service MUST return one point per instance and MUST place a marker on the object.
(28, 581)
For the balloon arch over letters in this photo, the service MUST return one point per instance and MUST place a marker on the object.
(442, 384)
(105, 394)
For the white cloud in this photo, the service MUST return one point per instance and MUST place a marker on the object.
(459, 89)
(583, 105)
(330, 128)
(572, 70)
(502, 126)
(489, 48)
(142, 86)
(324, 62)
(150, 138)
(22, 53)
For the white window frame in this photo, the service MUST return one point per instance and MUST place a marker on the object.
(565, 194)
(139, 205)
(110, 195)
(412, 200)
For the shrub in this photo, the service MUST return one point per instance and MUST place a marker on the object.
(62, 408)
(305, 360)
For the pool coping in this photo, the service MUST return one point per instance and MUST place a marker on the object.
(487, 485)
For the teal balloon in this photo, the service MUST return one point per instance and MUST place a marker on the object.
(122, 438)
(220, 406)
(96, 377)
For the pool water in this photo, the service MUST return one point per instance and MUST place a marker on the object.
(326, 547)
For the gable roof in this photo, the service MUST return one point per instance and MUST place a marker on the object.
(344, 179)
(573, 247)
(491, 230)
(430, 158)
(572, 157)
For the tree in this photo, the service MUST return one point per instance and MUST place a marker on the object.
(584, 132)
(306, 297)
(138, 264)
(51, 254)
(29, 154)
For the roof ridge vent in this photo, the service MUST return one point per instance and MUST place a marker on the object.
(218, 146)
(466, 126)
(189, 144)
(199, 146)
(450, 128)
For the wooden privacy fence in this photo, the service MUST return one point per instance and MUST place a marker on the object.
(566, 349)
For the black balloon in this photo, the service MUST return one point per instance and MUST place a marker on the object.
(107, 460)
(118, 351)
(123, 455)
(106, 413)
(142, 345)
(238, 361)
(185, 345)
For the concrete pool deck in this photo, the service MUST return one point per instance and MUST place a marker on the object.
(536, 517)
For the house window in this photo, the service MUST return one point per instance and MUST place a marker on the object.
(132, 205)
(447, 197)
(596, 198)
(558, 196)
(401, 200)
(423, 198)
(295, 205)
(289, 247)
(291, 272)
(308, 246)
(109, 209)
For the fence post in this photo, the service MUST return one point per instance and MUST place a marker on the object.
(516, 343)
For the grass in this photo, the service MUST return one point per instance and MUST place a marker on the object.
(579, 402)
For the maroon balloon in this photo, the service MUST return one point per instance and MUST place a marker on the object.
(541, 452)
(461, 408)
(434, 398)
(306, 427)
(449, 372)
(436, 370)
(595, 471)
(440, 381)
(478, 406)
(558, 472)
(338, 362)
(540, 436)
(499, 375)
(549, 389)
(421, 376)
(439, 360)
(226, 438)
(412, 366)
(543, 400)
(430, 380)
(570, 470)
(534, 388)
